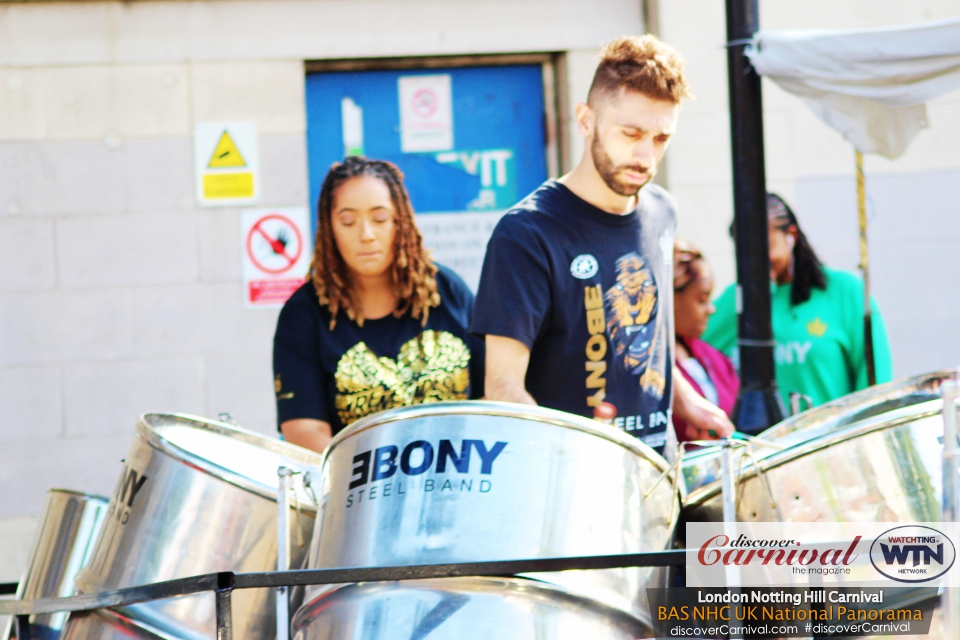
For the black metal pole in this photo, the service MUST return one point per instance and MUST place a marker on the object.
(759, 405)
(224, 606)
(23, 627)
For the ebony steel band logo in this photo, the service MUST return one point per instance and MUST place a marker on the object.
(390, 471)
(912, 553)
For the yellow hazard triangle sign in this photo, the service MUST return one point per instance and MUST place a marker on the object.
(226, 155)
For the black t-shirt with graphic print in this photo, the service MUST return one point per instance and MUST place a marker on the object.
(591, 294)
(342, 375)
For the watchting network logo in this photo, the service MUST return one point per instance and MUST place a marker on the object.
(912, 553)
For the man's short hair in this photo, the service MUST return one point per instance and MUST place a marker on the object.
(643, 64)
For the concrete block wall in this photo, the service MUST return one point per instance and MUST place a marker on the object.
(118, 294)
(915, 246)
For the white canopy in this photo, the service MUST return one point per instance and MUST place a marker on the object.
(871, 84)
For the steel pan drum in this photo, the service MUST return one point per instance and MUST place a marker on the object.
(461, 609)
(858, 406)
(474, 481)
(702, 466)
(873, 456)
(70, 522)
(884, 468)
(197, 497)
(104, 624)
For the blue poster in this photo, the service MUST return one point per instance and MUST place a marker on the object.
(478, 138)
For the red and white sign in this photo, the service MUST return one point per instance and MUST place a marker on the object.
(276, 254)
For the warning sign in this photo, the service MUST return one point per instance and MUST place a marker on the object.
(226, 154)
(276, 254)
(227, 162)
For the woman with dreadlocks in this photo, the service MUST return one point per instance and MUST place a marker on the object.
(378, 325)
(817, 318)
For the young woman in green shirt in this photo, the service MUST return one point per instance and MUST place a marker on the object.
(817, 318)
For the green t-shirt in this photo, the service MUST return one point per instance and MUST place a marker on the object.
(819, 343)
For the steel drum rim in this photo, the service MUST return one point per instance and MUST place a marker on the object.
(518, 583)
(120, 619)
(855, 401)
(297, 454)
(79, 494)
(881, 422)
(506, 410)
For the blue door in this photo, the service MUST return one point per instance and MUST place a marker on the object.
(470, 141)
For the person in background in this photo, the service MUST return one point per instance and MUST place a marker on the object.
(817, 318)
(378, 325)
(711, 373)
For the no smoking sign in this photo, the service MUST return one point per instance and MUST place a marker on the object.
(274, 243)
(276, 255)
(425, 103)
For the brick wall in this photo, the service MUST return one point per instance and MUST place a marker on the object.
(120, 295)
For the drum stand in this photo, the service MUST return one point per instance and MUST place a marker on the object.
(730, 510)
(283, 550)
(950, 600)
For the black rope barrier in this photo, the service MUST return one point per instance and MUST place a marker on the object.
(223, 583)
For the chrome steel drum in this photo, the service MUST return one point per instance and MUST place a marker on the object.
(461, 609)
(702, 466)
(474, 481)
(858, 406)
(872, 456)
(104, 624)
(196, 497)
(70, 522)
(884, 468)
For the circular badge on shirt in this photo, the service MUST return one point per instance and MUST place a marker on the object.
(584, 266)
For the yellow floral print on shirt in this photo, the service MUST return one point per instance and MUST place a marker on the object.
(431, 367)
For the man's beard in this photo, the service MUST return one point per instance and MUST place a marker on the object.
(607, 170)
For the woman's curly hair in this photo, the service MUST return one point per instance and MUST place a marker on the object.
(414, 275)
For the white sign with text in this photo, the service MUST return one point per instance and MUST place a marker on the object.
(426, 113)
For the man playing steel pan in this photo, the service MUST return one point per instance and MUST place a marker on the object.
(575, 297)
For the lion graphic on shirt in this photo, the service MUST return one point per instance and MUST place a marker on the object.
(631, 309)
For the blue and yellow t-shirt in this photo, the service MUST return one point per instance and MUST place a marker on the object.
(590, 293)
(819, 343)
